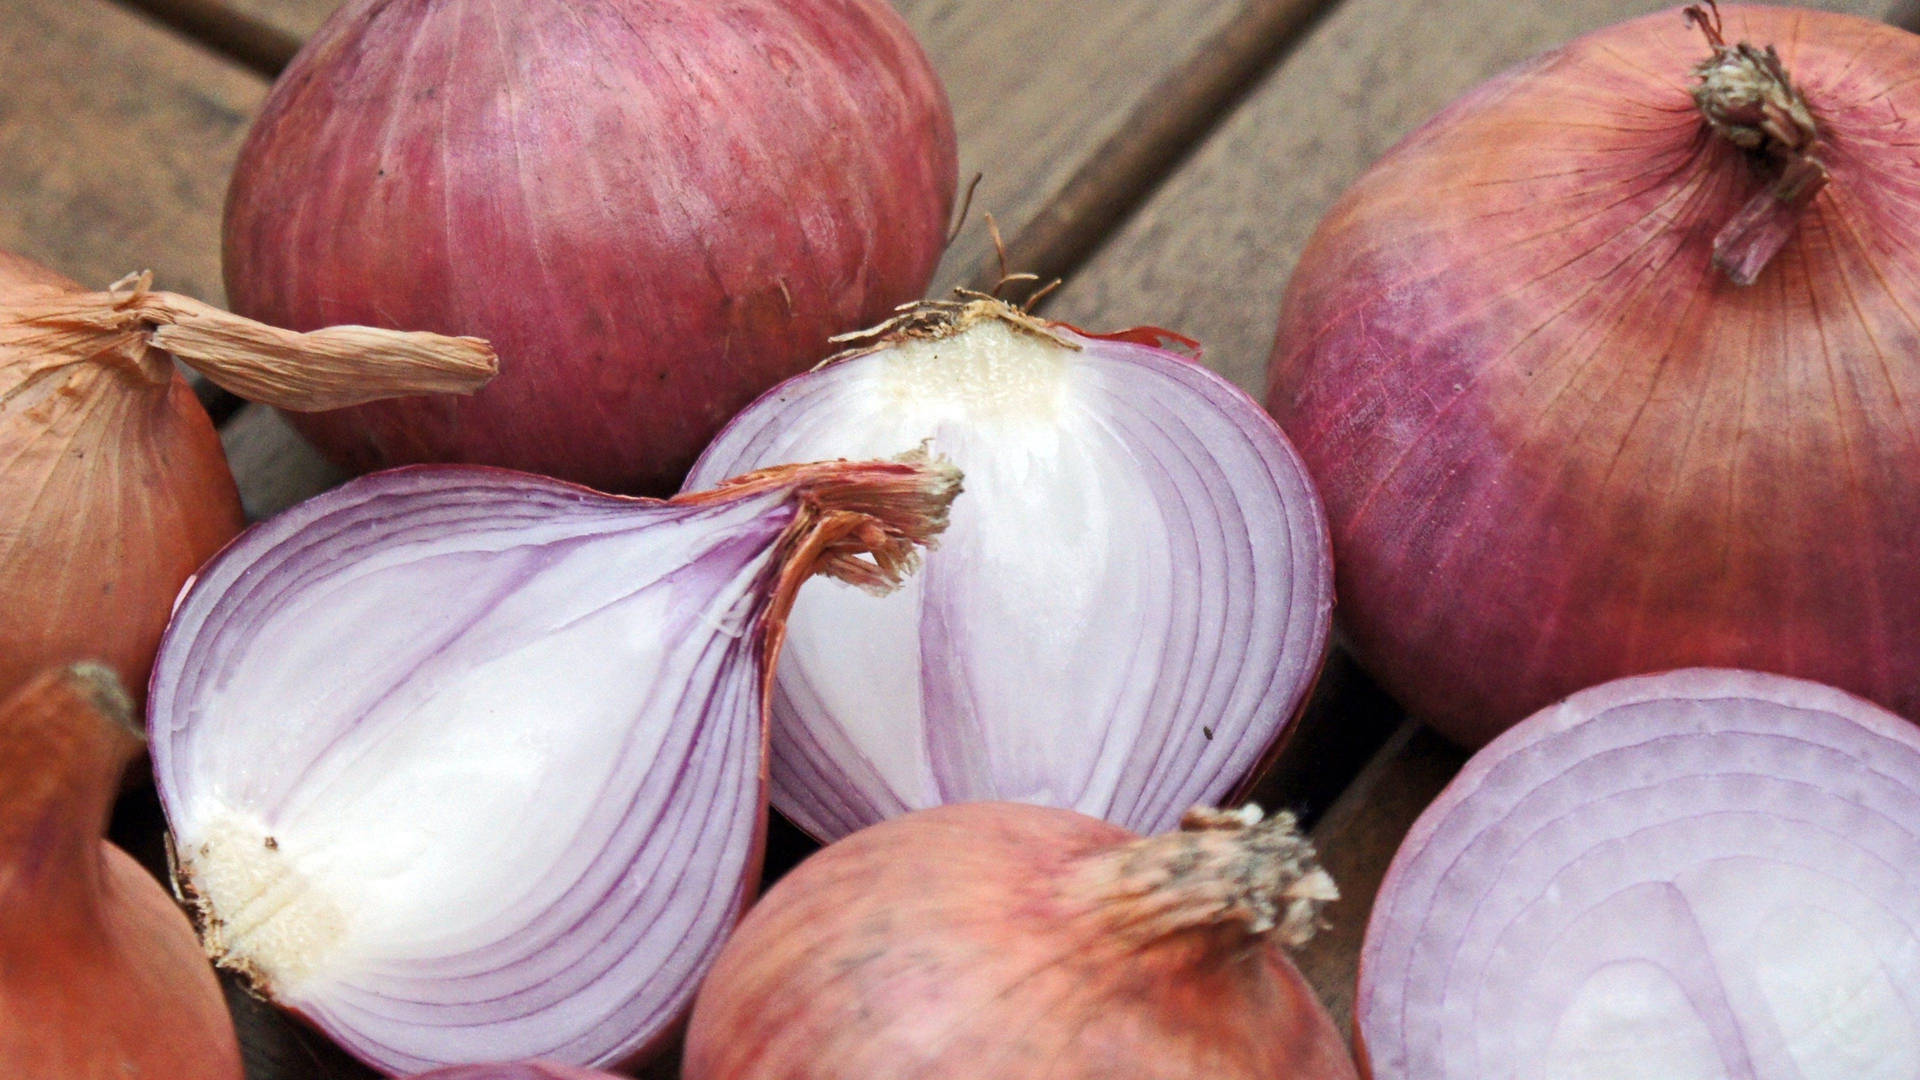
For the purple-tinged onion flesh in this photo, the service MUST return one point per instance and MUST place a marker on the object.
(1692, 876)
(466, 765)
(1128, 610)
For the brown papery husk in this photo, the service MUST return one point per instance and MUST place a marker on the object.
(101, 976)
(113, 485)
(1559, 443)
(1023, 942)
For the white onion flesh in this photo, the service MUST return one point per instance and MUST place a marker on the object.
(465, 765)
(1694, 876)
(1127, 610)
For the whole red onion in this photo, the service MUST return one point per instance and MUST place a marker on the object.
(1557, 441)
(655, 209)
(1019, 942)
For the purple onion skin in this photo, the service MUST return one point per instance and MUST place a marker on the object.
(517, 1070)
(654, 210)
(1557, 446)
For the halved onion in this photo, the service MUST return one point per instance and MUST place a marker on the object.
(1690, 876)
(1129, 608)
(467, 765)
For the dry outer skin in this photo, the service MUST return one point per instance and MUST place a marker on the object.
(101, 977)
(113, 490)
(1557, 446)
(943, 943)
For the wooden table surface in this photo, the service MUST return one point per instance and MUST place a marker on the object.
(1168, 158)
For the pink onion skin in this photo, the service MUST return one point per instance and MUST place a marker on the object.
(654, 211)
(959, 941)
(1557, 446)
(518, 1070)
(1617, 788)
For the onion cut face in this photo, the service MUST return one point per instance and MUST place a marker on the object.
(467, 765)
(1128, 610)
(1691, 876)
(1558, 443)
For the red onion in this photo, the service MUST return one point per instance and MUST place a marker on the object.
(1690, 876)
(1557, 443)
(100, 975)
(1021, 942)
(113, 487)
(467, 765)
(654, 208)
(1127, 613)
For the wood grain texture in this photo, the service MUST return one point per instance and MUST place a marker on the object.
(1357, 838)
(1210, 253)
(115, 141)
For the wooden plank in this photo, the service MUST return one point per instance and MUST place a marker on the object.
(1210, 253)
(1357, 839)
(251, 38)
(116, 138)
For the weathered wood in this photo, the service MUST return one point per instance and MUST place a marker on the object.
(1210, 253)
(115, 142)
(1357, 839)
(247, 38)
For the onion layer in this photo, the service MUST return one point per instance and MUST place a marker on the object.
(1690, 876)
(100, 975)
(1021, 942)
(1558, 443)
(467, 765)
(655, 208)
(1129, 609)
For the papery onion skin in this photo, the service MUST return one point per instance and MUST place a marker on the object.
(101, 977)
(655, 209)
(1558, 446)
(1126, 617)
(114, 490)
(1007, 940)
(465, 764)
(1700, 873)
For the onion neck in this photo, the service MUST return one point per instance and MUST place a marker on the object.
(65, 739)
(325, 369)
(1224, 871)
(1746, 98)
